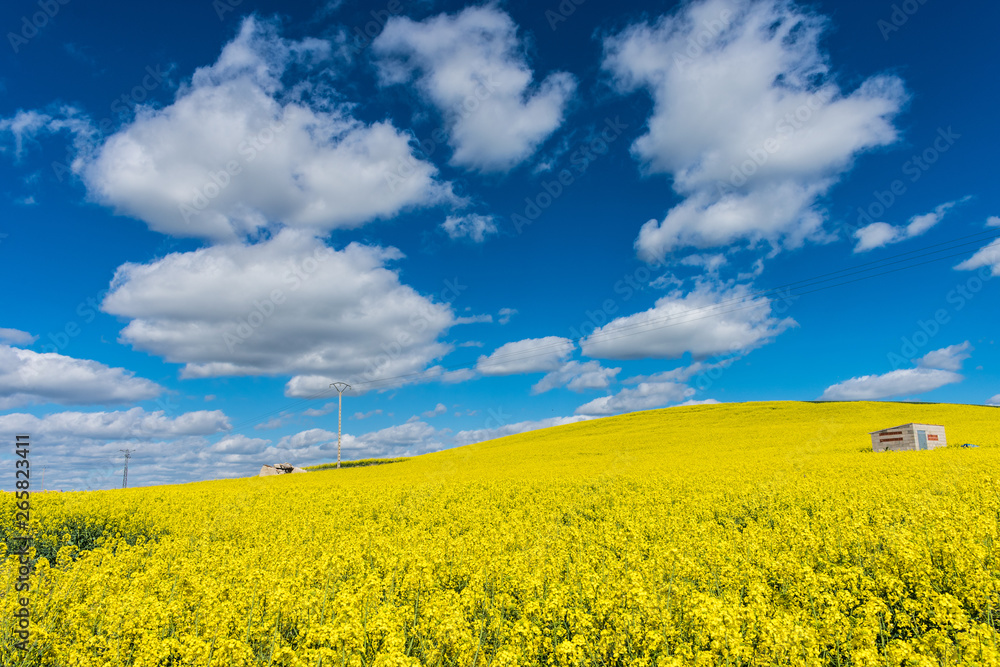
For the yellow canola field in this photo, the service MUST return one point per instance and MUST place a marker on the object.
(733, 534)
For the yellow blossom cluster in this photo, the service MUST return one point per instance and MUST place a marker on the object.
(740, 534)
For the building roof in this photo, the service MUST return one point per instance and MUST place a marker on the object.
(902, 425)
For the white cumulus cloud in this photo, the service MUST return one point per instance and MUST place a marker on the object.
(237, 445)
(577, 376)
(287, 306)
(935, 369)
(504, 315)
(747, 119)
(482, 434)
(30, 377)
(531, 355)
(439, 409)
(988, 255)
(644, 396)
(240, 149)
(16, 337)
(317, 445)
(474, 227)
(880, 234)
(902, 382)
(709, 320)
(947, 358)
(471, 67)
(120, 425)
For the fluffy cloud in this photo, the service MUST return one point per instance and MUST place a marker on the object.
(935, 369)
(16, 337)
(988, 255)
(30, 377)
(306, 438)
(531, 355)
(286, 306)
(451, 377)
(474, 227)
(906, 381)
(237, 445)
(316, 445)
(82, 449)
(707, 401)
(747, 120)
(577, 376)
(644, 396)
(994, 401)
(947, 358)
(75, 463)
(402, 439)
(879, 234)
(237, 150)
(377, 376)
(504, 315)
(439, 409)
(683, 373)
(482, 434)
(707, 321)
(121, 425)
(471, 67)
(272, 423)
(319, 412)
(709, 263)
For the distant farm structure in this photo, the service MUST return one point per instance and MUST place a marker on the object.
(279, 469)
(908, 438)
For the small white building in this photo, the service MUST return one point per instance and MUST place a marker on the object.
(908, 438)
(279, 469)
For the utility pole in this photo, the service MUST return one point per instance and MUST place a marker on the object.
(341, 387)
(128, 453)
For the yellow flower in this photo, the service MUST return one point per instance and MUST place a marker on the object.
(728, 534)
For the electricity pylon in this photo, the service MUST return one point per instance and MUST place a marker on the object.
(128, 453)
(341, 387)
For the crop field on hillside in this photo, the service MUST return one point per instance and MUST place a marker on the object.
(733, 534)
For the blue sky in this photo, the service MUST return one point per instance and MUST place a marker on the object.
(486, 218)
